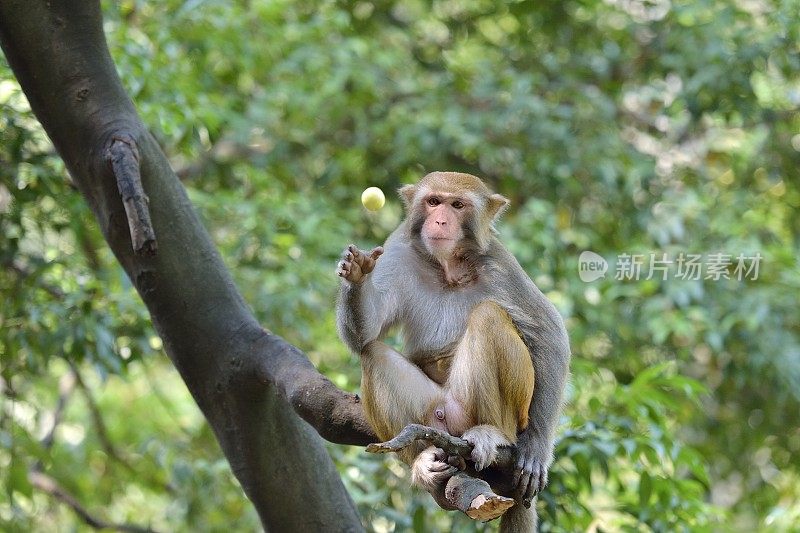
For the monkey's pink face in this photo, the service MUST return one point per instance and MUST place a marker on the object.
(443, 229)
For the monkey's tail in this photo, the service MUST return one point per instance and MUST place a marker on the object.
(518, 519)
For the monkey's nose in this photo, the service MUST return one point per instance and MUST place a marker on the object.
(441, 222)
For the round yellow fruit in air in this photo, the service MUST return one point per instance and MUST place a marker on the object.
(373, 198)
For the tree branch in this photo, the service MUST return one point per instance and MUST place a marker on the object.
(26, 273)
(441, 439)
(66, 385)
(223, 150)
(234, 369)
(47, 484)
(463, 487)
(97, 417)
(249, 383)
(102, 431)
(123, 157)
(336, 415)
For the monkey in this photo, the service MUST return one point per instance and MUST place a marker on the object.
(485, 353)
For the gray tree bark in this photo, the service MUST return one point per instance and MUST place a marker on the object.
(248, 382)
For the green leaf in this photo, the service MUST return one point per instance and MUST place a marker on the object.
(645, 489)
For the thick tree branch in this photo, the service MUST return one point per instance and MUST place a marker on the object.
(337, 416)
(249, 383)
(57, 50)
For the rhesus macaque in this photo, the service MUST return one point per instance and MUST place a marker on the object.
(486, 354)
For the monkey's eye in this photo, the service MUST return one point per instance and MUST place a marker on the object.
(458, 204)
(433, 201)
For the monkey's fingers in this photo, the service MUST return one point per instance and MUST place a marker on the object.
(353, 250)
(438, 466)
(518, 471)
(376, 253)
(457, 461)
(344, 268)
(523, 479)
(349, 270)
(350, 254)
(538, 480)
(345, 265)
(367, 262)
(440, 455)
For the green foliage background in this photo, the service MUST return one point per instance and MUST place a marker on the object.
(621, 126)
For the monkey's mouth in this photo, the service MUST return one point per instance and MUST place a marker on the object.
(439, 236)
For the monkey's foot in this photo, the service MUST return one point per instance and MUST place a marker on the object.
(487, 507)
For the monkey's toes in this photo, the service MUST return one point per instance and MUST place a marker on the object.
(487, 507)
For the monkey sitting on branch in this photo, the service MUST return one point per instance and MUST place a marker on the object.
(486, 354)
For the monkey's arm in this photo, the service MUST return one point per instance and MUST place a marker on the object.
(542, 329)
(359, 314)
(364, 306)
(547, 341)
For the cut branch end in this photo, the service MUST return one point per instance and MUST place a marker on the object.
(464, 491)
(123, 157)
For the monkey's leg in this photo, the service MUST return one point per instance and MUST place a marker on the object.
(395, 391)
(488, 393)
(492, 375)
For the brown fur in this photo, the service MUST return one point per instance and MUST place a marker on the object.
(485, 206)
(491, 378)
(478, 335)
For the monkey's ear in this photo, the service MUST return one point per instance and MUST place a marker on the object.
(496, 205)
(407, 193)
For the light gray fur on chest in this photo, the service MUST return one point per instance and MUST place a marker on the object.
(436, 317)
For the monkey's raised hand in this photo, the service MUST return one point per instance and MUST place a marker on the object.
(356, 264)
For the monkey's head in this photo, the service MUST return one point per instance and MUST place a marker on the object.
(451, 213)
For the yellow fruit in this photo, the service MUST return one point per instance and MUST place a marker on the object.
(373, 198)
